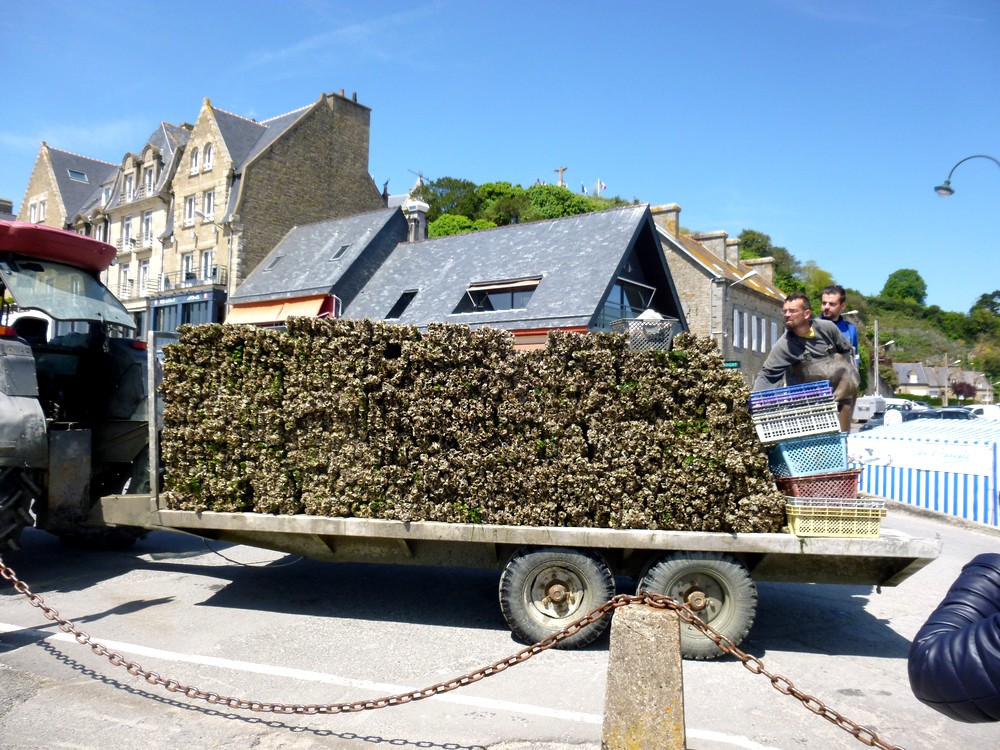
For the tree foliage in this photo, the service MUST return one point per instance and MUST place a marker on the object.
(961, 389)
(787, 269)
(905, 284)
(449, 224)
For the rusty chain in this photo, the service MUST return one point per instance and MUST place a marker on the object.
(780, 683)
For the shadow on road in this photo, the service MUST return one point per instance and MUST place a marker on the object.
(810, 618)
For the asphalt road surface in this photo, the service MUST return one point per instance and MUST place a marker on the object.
(273, 628)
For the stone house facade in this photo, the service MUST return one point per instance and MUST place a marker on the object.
(61, 184)
(733, 301)
(201, 204)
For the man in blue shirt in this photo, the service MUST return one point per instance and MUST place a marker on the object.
(834, 300)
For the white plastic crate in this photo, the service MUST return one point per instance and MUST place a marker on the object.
(818, 419)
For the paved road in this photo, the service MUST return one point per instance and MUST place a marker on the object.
(306, 632)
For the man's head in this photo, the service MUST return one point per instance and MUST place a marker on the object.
(797, 312)
(834, 299)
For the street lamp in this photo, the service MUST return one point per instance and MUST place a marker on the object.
(946, 189)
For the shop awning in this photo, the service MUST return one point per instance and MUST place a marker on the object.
(265, 313)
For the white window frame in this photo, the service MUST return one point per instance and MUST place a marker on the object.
(41, 210)
(105, 195)
(207, 259)
(194, 160)
(736, 329)
(129, 188)
(774, 332)
(126, 232)
(148, 180)
(207, 157)
(143, 277)
(147, 229)
(754, 338)
(33, 212)
(746, 332)
(208, 204)
(190, 206)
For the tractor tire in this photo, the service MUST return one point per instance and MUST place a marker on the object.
(18, 490)
(545, 589)
(716, 587)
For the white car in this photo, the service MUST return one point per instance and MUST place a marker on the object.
(986, 411)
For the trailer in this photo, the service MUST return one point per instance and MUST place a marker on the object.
(552, 576)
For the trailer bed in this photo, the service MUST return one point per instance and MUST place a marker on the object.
(886, 560)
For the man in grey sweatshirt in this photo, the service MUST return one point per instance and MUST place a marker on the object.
(810, 350)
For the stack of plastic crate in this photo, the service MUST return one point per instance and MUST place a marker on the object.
(807, 454)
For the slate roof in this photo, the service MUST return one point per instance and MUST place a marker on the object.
(75, 194)
(246, 138)
(300, 265)
(578, 259)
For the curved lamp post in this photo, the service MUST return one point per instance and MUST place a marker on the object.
(946, 189)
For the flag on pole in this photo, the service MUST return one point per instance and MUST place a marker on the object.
(583, 188)
(603, 186)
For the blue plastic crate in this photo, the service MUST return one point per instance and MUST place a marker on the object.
(805, 456)
(791, 396)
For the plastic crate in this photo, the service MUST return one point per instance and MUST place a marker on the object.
(841, 484)
(835, 517)
(817, 419)
(805, 456)
(792, 396)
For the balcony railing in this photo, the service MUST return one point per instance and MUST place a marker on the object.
(137, 194)
(134, 243)
(216, 276)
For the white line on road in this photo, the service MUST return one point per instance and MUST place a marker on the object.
(375, 687)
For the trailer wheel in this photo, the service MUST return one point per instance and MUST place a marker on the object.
(18, 488)
(545, 589)
(715, 586)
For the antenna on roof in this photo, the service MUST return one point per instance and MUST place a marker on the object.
(420, 180)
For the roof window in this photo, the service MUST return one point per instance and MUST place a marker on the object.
(401, 304)
(488, 296)
(340, 253)
(270, 266)
(77, 176)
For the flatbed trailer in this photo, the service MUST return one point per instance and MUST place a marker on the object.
(552, 576)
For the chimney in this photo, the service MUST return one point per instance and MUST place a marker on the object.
(6, 206)
(764, 266)
(667, 217)
(416, 217)
(716, 242)
(732, 250)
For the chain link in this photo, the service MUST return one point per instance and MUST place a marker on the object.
(780, 683)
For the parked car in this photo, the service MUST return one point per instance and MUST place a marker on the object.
(945, 412)
(987, 411)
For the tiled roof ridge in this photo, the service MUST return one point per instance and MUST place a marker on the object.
(290, 112)
(233, 114)
(81, 156)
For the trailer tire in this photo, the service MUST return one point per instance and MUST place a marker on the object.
(716, 586)
(543, 590)
(18, 489)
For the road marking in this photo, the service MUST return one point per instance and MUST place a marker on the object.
(375, 687)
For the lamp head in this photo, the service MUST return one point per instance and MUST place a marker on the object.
(945, 189)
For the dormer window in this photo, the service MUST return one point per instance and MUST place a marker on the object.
(147, 181)
(401, 304)
(194, 161)
(207, 157)
(489, 296)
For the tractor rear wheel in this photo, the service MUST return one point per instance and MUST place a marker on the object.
(18, 489)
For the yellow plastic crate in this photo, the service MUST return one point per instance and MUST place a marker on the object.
(821, 516)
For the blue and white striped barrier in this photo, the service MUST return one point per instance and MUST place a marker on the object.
(948, 466)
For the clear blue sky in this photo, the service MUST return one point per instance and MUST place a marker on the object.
(822, 123)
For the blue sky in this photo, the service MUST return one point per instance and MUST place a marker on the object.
(823, 123)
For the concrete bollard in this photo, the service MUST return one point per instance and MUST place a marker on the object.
(644, 706)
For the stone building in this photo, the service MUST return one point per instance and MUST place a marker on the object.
(61, 184)
(731, 300)
(201, 204)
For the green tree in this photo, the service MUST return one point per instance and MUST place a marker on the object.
(787, 269)
(449, 224)
(448, 195)
(815, 280)
(502, 202)
(905, 284)
(990, 302)
(554, 202)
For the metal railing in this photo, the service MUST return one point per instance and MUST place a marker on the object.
(216, 276)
